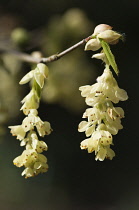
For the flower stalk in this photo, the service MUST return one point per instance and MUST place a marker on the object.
(28, 58)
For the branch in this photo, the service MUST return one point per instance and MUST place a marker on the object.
(28, 58)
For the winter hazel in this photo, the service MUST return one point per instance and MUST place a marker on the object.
(31, 158)
(103, 119)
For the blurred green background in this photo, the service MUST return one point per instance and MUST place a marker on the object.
(75, 181)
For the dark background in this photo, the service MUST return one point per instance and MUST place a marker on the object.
(75, 180)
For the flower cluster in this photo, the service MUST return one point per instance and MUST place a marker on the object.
(104, 120)
(104, 32)
(31, 158)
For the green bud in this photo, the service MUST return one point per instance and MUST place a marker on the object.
(20, 36)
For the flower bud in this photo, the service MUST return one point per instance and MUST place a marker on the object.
(36, 54)
(109, 36)
(20, 36)
(100, 28)
(99, 56)
(92, 44)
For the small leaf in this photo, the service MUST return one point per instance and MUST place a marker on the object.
(109, 55)
(37, 88)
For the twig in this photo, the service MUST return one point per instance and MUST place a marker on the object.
(28, 58)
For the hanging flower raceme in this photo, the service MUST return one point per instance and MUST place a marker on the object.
(31, 158)
(103, 119)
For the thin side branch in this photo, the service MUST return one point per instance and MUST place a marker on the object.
(28, 58)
